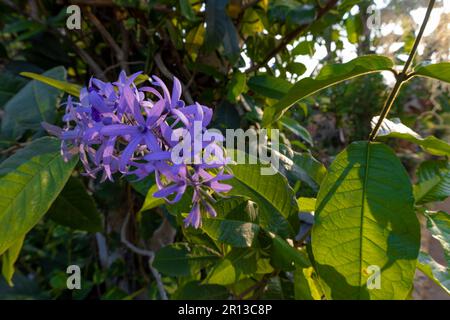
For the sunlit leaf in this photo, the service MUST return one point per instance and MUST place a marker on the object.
(439, 71)
(329, 75)
(30, 180)
(365, 217)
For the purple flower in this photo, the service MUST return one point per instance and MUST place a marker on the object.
(119, 128)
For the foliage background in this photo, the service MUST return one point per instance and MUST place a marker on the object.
(235, 56)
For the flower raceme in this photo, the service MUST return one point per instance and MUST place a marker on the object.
(117, 127)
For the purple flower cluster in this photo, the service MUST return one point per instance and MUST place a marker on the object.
(117, 127)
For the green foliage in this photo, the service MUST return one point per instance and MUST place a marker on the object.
(439, 71)
(274, 197)
(30, 181)
(431, 144)
(9, 258)
(365, 216)
(180, 259)
(439, 225)
(304, 232)
(71, 89)
(433, 270)
(329, 75)
(33, 104)
(75, 208)
(433, 182)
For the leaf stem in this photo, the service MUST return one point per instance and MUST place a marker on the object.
(402, 76)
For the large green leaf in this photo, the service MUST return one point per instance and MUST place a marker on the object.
(329, 75)
(34, 103)
(75, 208)
(439, 225)
(438, 273)
(180, 259)
(433, 181)
(235, 224)
(273, 195)
(30, 181)
(439, 71)
(9, 258)
(365, 217)
(70, 88)
(395, 129)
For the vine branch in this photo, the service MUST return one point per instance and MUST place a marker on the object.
(403, 76)
(143, 252)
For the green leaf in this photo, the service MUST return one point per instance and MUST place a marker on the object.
(297, 129)
(272, 193)
(235, 266)
(181, 259)
(439, 71)
(329, 75)
(9, 258)
(292, 12)
(251, 22)
(236, 86)
(285, 257)
(187, 11)
(353, 25)
(269, 86)
(220, 29)
(395, 129)
(70, 88)
(307, 169)
(231, 226)
(306, 286)
(439, 225)
(304, 48)
(365, 217)
(30, 180)
(435, 271)
(194, 41)
(306, 204)
(75, 208)
(150, 201)
(34, 103)
(67, 87)
(296, 68)
(194, 290)
(11, 84)
(433, 182)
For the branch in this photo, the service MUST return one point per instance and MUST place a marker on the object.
(120, 56)
(402, 76)
(143, 252)
(81, 52)
(162, 67)
(292, 35)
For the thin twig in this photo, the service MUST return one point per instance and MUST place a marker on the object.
(143, 252)
(403, 76)
(162, 67)
(109, 39)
